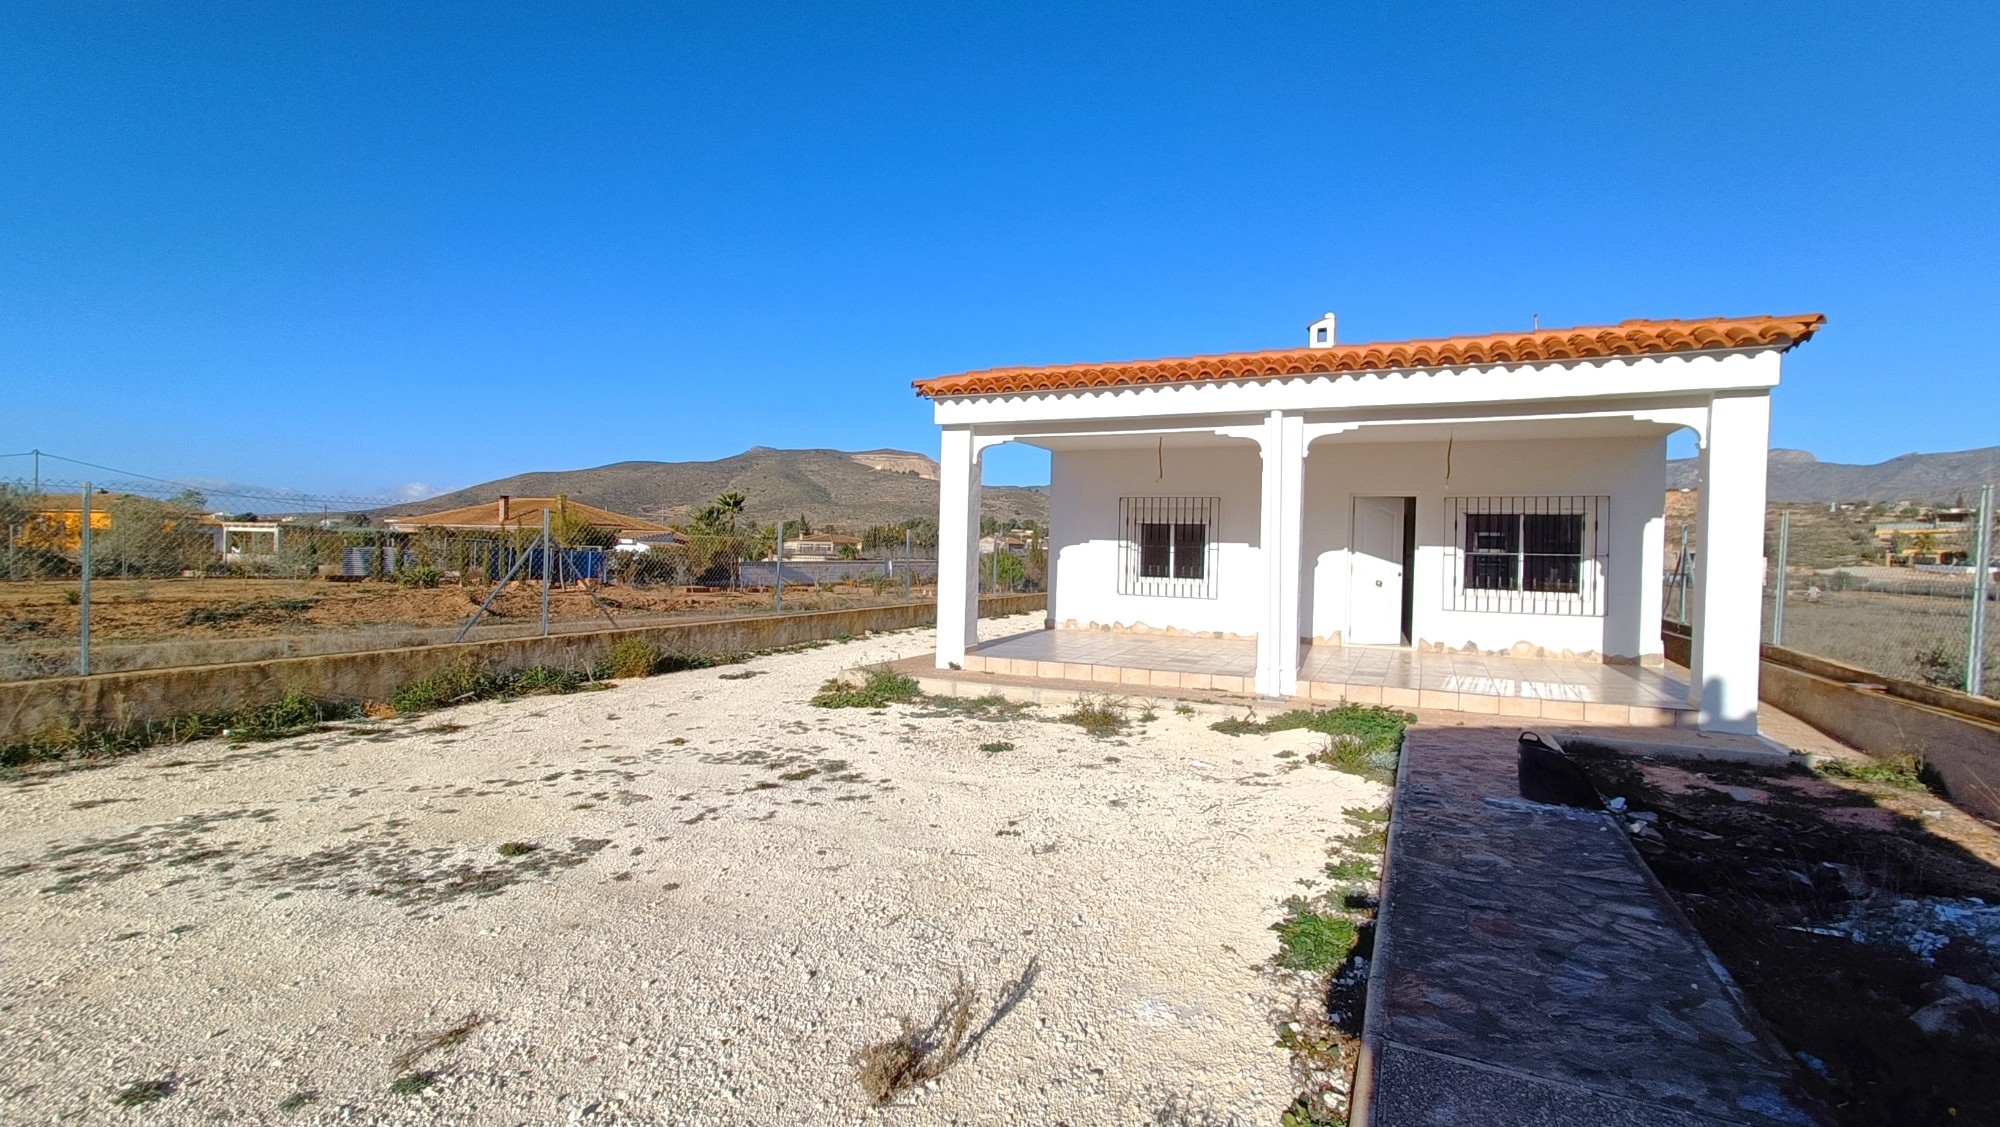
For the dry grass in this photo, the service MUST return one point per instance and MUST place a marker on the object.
(920, 1053)
(428, 1043)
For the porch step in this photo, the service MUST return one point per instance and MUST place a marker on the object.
(1517, 701)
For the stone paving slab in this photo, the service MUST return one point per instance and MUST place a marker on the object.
(1530, 970)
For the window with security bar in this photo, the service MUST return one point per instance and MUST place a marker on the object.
(1527, 555)
(1168, 546)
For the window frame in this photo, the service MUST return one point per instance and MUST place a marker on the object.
(1508, 522)
(1167, 546)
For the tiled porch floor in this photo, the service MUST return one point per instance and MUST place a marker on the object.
(1508, 686)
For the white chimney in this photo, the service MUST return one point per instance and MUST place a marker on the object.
(504, 507)
(1320, 333)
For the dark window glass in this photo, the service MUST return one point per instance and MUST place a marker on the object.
(1492, 532)
(1156, 551)
(1190, 551)
(1491, 572)
(1552, 546)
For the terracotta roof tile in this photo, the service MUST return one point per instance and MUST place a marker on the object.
(1627, 338)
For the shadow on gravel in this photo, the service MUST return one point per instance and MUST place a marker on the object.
(382, 864)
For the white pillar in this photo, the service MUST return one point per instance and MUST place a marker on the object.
(958, 547)
(1283, 447)
(1729, 583)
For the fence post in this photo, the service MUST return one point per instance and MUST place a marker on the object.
(1681, 576)
(908, 562)
(778, 581)
(83, 589)
(545, 572)
(1982, 557)
(1784, 551)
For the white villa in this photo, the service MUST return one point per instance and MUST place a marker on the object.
(1466, 522)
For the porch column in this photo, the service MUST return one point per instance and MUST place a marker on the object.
(1284, 450)
(958, 547)
(1729, 580)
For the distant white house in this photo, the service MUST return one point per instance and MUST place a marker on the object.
(822, 546)
(1501, 494)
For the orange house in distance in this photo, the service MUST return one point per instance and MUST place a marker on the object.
(56, 522)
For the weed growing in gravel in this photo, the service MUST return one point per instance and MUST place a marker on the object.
(514, 849)
(1100, 716)
(744, 675)
(429, 1043)
(992, 707)
(468, 682)
(1903, 771)
(915, 1055)
(919, 1053)
(412, 1083)
(629, 657)
(1184, 710)
(1362, 739)
(1311, 938)
(996, 747)
(290, 715)
(882, 687)
(1351, 869)
(142, 1092)
(297, 1100)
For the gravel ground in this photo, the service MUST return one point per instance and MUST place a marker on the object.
(730, 893)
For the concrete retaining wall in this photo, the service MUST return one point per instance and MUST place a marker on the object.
(116, 700)
(1956, 733)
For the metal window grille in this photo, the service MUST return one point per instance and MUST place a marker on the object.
(1526, 555)
(1168, 546)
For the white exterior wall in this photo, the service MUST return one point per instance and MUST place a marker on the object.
(1630, 471)
(1084, 537)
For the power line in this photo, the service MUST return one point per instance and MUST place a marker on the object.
(247, 493)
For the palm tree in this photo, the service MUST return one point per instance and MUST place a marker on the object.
(731, 504)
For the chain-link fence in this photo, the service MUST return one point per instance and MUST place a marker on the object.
(1892, 588)
(149, 575)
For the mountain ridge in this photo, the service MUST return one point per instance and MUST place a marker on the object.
(830, 488)
(1797, 475)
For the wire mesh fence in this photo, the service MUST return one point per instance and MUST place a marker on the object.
(1891, 588)
(148, 575)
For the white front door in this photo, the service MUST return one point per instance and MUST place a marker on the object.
(1375, 588)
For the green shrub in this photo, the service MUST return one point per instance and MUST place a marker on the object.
(881, 687)
(1312, 940)
(1100, 716)
(419, 575)
(463, 683)
(629, 657)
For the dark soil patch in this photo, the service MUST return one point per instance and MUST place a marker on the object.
(1780, 868)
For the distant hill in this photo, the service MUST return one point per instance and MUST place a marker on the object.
(832, 488)
(1795, 475)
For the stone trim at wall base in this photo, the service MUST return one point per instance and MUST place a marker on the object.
(1155, 631)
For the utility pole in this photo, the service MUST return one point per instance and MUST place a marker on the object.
(83, 588)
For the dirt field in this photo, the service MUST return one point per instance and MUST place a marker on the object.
(142, 623)
(1862, 920)
(728, 892)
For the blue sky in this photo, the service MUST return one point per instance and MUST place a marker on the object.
(350, 248)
